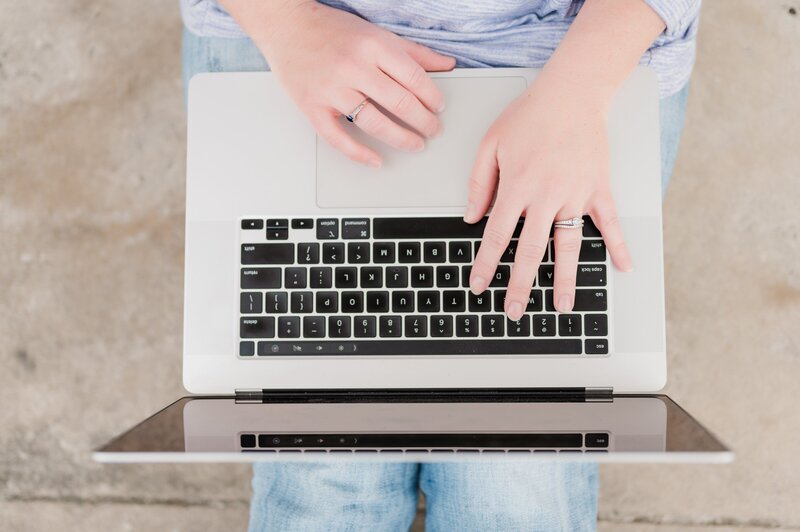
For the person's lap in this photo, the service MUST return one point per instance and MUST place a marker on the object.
(351, 496)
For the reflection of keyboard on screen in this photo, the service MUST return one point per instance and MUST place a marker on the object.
(513, 442)
(399, 286)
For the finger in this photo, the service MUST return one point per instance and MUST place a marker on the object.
(399, 66)
(530, 251)
(427, 58)
(604, 216)
(482, 181)
(376, 124)
(567, 246)
(330, 129)
(496, 236)
(401, 103)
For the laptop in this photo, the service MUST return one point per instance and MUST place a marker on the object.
(327, 313)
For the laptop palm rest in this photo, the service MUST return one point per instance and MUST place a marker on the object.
(435, 177)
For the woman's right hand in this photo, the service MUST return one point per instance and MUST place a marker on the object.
(329, 61)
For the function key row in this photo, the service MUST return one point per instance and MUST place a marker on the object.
(437, 252)
(387, 228)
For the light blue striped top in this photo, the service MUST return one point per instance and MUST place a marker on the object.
(491, 33)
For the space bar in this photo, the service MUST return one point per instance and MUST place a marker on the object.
(549, 346)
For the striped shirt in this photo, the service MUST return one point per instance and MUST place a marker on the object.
(491, 33)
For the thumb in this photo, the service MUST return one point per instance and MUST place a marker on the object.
(427, 58)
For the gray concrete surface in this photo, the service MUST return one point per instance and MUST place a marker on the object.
(91, 207)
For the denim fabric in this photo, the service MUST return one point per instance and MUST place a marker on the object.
(219, 54)
(347, 496)
(355, 497)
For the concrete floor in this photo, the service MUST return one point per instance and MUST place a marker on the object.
(91, 225)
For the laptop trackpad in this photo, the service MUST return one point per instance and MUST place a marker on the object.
(435, 177)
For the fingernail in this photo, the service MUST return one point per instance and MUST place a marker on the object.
(477, 285)
(471, 212)
(514, 311)
(565, 303)
(375, 163)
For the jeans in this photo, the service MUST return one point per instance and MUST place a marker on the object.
(348, 496)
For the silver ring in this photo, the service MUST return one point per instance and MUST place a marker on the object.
(572, 223)
(354, 113)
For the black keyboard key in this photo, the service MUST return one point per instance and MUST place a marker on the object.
(352, 302)
(313, 327)
(435, 252)
(521, 327)
(467, 325)
(595, 324)
(372, 277)
(261, 327)
(346, 277)
(281, 233)
(492, 325)
(321, 277)
(416, 326)
(591, 275)
(597, 346)
(534, 301)
(415, 346)
(364, 327)
(480, 303)
(247, 349)
(289, 327)
(548, 301)
(267, 253)
(357, 252)
(427, 301)
(377, 301)
(327, 229)
(430, 228)
(254, 278)
(592, 251)
(355, 228)
(308, 253)
(569, 325)
(499, 297)
(590, 300)
(302, 302)
(510, 252)
(422, 276)
(252, 224)
(339, 326)
(302, 223)
(397, 276)
(277, 223)
(501, 276)
(454, 301)
(247, 441)
(250, 303)
(460, 251)
(333, 253)
(589, 229)
(441, 326)
(327, 302)
(546, 273)
(544, 325)
(295, 278)
(446, 276)
(403, 301)
(465, 273)
(383, 252)
(276, 302)
(390, 326)
(408, 252)
(596, 439)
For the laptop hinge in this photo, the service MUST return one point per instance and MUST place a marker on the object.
(593, 394)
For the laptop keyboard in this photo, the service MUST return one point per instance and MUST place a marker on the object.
(400, 286)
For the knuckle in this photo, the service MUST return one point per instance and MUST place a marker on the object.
(416, 77)
(568, 246)
(404, 104)
(477, 187)
(494, 238)
(530, 251)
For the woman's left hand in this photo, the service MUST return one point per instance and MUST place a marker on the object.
(545, 158)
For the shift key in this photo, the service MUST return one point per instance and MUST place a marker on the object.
(260, 278)
(268, 253)
(592, 251)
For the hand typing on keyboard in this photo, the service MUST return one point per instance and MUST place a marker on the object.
(546, 157)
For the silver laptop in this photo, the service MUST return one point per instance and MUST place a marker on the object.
(327, 312)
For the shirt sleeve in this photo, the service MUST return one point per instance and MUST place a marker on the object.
(678, 15)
